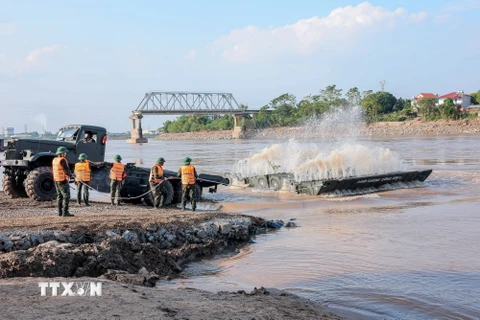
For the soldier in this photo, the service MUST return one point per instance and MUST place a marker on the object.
(83, 175)
(61, 175)
(89, 137)
(117, 177)
(189, 176)
(156, 184)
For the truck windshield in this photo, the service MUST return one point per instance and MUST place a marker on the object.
(67, 134)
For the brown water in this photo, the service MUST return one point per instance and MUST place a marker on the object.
(398, 254)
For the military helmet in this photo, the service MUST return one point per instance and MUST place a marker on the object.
(61, 150)
(160, 160)
(82, 156)
(117, 158)
(187, 160)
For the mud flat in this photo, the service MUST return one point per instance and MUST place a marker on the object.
(379, 129)
(128, 249)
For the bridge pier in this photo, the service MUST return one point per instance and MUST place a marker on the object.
(136, 134)
(239, 128)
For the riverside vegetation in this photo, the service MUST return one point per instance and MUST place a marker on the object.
(287, 111)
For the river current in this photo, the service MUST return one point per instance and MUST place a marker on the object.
(397, 254)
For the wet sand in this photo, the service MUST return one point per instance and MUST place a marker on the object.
(21, 295)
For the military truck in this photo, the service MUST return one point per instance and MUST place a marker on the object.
(28, 168)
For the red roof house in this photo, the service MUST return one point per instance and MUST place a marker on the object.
(458, 97)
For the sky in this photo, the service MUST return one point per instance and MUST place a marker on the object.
(91, 61)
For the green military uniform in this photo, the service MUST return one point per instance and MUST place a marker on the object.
(63, 188)
(116, 185)
(82, 186)
(188, 190)
(115, 188)
(158, 189)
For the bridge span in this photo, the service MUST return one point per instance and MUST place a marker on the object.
(187, 103)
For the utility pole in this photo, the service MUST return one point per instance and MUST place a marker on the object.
(25, 129)
(382, 83)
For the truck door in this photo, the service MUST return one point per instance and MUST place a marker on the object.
(89, 142)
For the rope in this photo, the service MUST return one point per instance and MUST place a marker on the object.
(121, 198)
(151, 190)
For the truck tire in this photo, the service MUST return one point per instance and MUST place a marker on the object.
(262, 183)
(275, 184)
(13, 189)
(148, 198)
(40, 185)
(198, 192)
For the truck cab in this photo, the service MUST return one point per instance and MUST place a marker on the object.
(28, 162)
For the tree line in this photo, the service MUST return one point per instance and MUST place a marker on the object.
(285, 110)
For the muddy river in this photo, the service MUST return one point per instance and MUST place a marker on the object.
(397, 254)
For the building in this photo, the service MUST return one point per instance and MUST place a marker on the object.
(8, 131)
(420, 96)
(459, 99)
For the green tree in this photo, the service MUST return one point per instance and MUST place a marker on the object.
(331, 96)
(386, 100)
(377, 103)
(476, 97)
(371, 107)
(283, 109)
(448, 110)
(310, 106)
(402, 104)
(427, 107)
(354, 97)
(263, 118)
(366, 93)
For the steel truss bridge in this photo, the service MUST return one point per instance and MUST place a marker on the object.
(193, 103)
(170, 102)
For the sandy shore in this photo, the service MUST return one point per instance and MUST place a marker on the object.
(379, 129)
(21, 300)
(134, 246)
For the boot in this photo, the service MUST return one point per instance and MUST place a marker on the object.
(79, 202)
(67, 214)
(119, 204)
(113, 202)
(60, 213)
(87, 204)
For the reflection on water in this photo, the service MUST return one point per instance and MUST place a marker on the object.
(397, 254)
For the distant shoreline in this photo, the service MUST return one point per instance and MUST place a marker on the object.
(378, 129)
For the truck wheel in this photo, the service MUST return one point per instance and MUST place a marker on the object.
(148, 198)
(177, 194)
(275, 184)
(198, 192)
(40, 185)
(262, 183)
(13, 189)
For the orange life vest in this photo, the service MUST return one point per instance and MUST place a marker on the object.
(59, 174)
(117, 171)
(82, 171)
(188, 174)
(159, 172)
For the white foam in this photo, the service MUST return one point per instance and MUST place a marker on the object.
(340, 155)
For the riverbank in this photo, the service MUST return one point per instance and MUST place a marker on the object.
(378, 129)
(128, 248)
